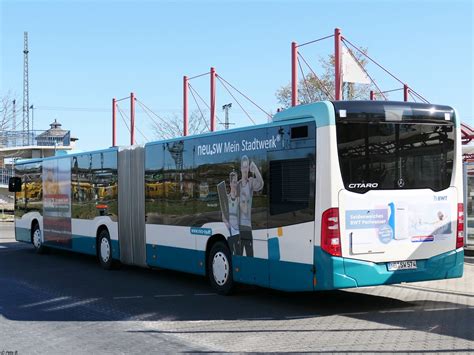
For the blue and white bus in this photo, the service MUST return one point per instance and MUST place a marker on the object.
(328, 195)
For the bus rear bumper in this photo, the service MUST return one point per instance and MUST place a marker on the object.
(348, 273)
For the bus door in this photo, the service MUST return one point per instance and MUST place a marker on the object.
(290, 233)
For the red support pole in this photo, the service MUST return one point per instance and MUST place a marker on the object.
(405, 92)
(294, 74)
(337, 64)
(185, 106)
(132, 118)
(213, 99)
(114, 121)
(372, 95)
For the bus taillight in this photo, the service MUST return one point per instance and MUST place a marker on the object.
(330, 235)
(460, 230)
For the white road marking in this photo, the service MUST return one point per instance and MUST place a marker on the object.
(400, 311)
(2, 247)
(58, 299)
(175, 295)
(446, 309)
(72, 305)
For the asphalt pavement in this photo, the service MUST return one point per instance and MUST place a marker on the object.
(63, 302)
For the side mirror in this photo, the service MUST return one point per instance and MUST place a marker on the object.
(14, 184)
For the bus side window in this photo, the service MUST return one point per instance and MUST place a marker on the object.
(291, 195)
(82, 202)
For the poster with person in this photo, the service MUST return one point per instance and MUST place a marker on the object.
(236, 207)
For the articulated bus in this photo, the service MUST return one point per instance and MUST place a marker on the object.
(329, 195)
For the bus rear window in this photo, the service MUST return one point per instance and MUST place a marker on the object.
(395, 155)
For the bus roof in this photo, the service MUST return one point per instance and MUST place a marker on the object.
(36, 160)
(322, 112)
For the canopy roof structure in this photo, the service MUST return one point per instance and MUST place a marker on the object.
(467, 133)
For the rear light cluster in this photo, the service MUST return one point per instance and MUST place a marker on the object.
(460, 229)
(330, 232)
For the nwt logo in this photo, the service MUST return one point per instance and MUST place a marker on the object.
(440, 198)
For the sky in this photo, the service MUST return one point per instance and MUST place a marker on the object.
(84, 53)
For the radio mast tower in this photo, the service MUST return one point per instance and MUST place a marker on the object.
(26, 99)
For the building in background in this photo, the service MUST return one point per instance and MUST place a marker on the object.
(39, 144)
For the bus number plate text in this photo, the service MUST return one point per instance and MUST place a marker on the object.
(401, 265)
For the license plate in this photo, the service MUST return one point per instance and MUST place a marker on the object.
(401, 265)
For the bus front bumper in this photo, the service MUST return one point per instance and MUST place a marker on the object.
(336, 272)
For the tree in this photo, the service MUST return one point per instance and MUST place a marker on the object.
(311, 89)
(6, 112)
(6, 117)
(172, 126)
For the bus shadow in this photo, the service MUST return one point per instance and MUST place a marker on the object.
(64, 286)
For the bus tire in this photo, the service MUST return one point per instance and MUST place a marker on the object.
(104, 250)
(36, 239)
(220, 268)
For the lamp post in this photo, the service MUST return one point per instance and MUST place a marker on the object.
(226, 108)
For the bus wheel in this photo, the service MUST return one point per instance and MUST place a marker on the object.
(105, 249)
(36, 239)
(220, 268)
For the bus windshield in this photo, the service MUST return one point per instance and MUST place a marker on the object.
(407, 152)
